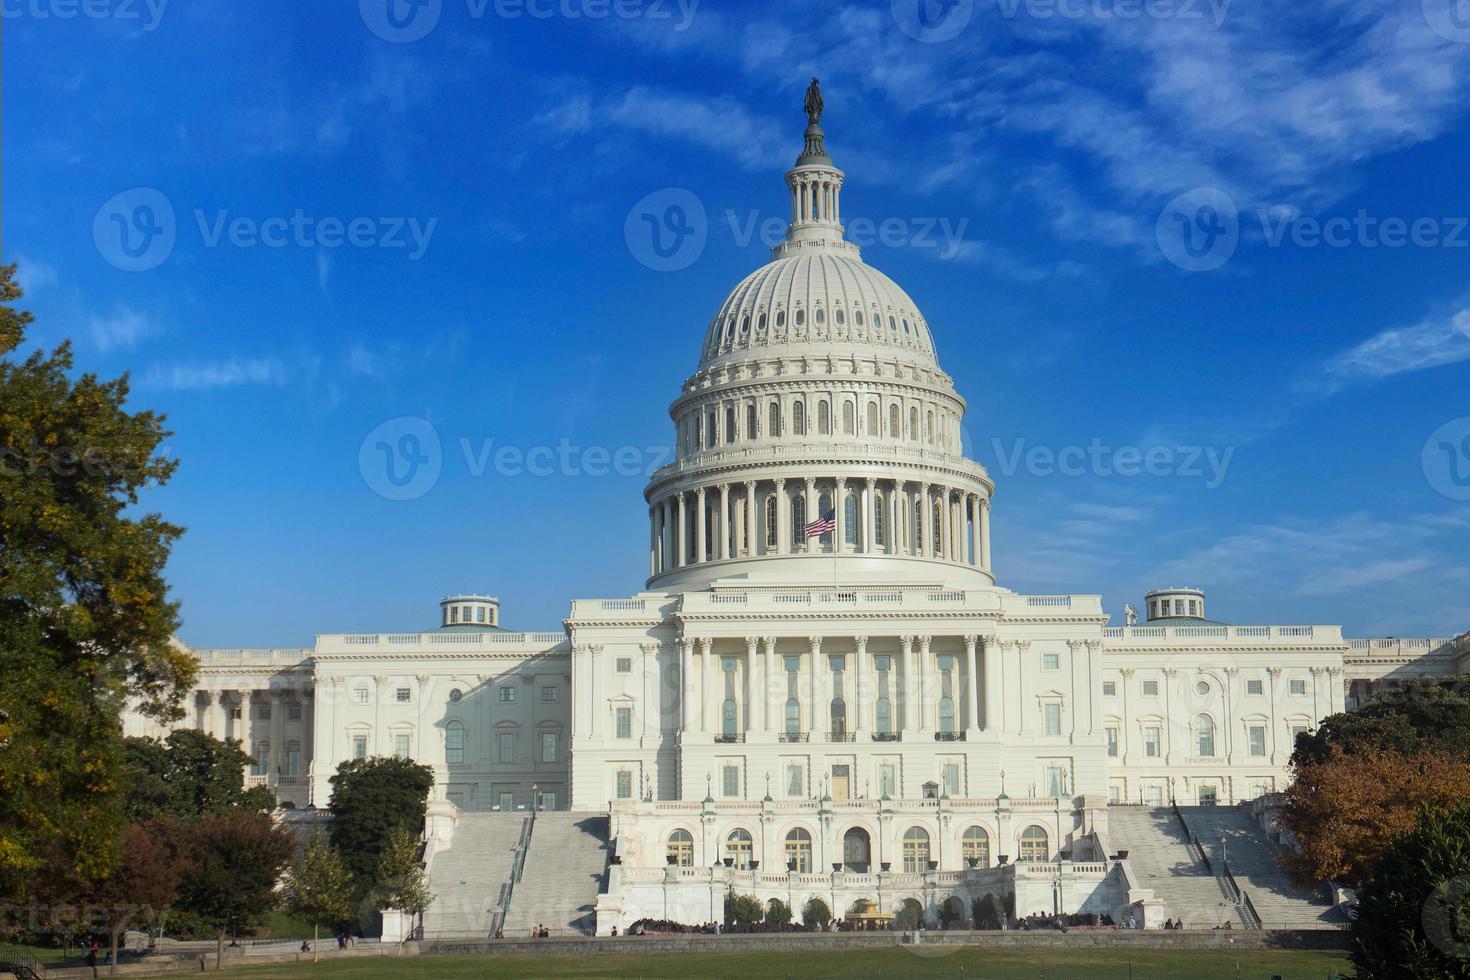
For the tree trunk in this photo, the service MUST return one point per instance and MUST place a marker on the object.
(219, 950)
(316, 937)
(112, 960)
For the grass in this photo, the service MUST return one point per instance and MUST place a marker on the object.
(885, 963)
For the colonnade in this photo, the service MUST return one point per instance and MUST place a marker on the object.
(755, 518)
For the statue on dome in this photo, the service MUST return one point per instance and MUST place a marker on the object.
(813, 104)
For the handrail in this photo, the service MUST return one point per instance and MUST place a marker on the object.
(517, 866)
(1243, 900)
(1193, 840)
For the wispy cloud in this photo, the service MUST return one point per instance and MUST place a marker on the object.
(1430, 343)
(34, 274)
(208, 375)
(123, 329)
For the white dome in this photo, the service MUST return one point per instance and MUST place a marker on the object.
(814, 301)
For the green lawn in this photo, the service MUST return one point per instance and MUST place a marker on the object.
(884, 962)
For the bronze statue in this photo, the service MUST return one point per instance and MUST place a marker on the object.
(813, 104)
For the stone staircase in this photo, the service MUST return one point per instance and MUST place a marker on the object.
(1162, 859)
(565, 870)
(1231, 832)
(467, 879)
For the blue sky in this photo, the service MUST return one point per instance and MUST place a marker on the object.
(1039, 169)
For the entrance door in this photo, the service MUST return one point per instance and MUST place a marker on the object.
(1207, 796)
(841, 777)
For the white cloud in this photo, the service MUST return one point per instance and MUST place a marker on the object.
(1430, 343)
(33, 273)
(123, 329)
(231, 373)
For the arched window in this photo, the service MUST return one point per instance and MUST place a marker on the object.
(975, 847)
(760, 324)
(293, 758)
(800, 316)
(839, 717)
(938, 530)
(849, 420)
(260, 765)
(745, 326)
(893, 422)
(819, 317)
(697, 436)
(773, 420)
(750, 419)
(839, 316)
(946, 714)
(454, 742)
(798, 519)
(824, 507)
(728, 717)
(681, 849)
(1204, 736)
(798, 418)
(929, 426)
(1035, 848)
(879, 541)
(884, 712)
(711, 434)
(850, 519)
(824, 417)
(799, 851)
(857, 851)
(918, 527)
(780, 318)
(914, 423)
(738, 849)
(793, 716)
(873, 429)
(729, 425)
(915, 850)
(771, 521)
(857, 317)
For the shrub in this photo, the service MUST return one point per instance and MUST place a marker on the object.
(816, 914)
(743, 910)
(778, 913)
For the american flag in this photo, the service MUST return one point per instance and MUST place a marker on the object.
(825, 524)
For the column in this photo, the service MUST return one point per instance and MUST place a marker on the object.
(723, 551)
(814, 726)
(686, 685)
(701, 531)
(926, 523)
(862, 692)
(985, 533)
(867, 507)
(973, 500)
(946, 518)
(214, 714)
(1273, 675)
(926, 672)
(682, 557)
(957, 506)
(653, 540)
(992, 684)
(278, 732)
(910, 685)
(973, 714)
(783, 515)
(755, 703)
(839, 509)
(768, 694)
(811, 544)
(595, 684)
(652, 706)
(419, 751)
(1129, 723)
(1028, 706)
(707, 684)
(752, 545)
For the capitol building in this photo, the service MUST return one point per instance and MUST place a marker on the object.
(823, 688)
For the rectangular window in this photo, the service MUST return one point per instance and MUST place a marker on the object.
(882, 663)
(454, 744)
(507, 800)
(793, 664)
(1253, 687)
(293, 712)
(727, 665)
(625, 722)
(359, 695)
(837, 663)
(548, 695)
(1258, 739)
(359, 746)
(1155, 796)
(793, 781)
(730, 781)
(1150, 689)
(625, 665)
(951, 773)
(1051, 661)
(507, 694)
(1056, 781)
(1112, 743)
(1052, 713)
(888, 780)
(400, 746)
(402, 695)
(263, 712)
(625, 784)
(548, 746)
(1295, 731)
(1299, 687)
(1113, 795)
(548, 799)
(505, 746)
(1110, 689)
(1151, 741)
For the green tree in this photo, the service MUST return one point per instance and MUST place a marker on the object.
(988, 911)
(319, 887)
(85, 621)
(403, 886)
(778, 913)
(237, 858)
(742, 910)
(909, 914)
(1419, 716)
(370, 799)
(188, 774)
(815, 914)
(1414, 906)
